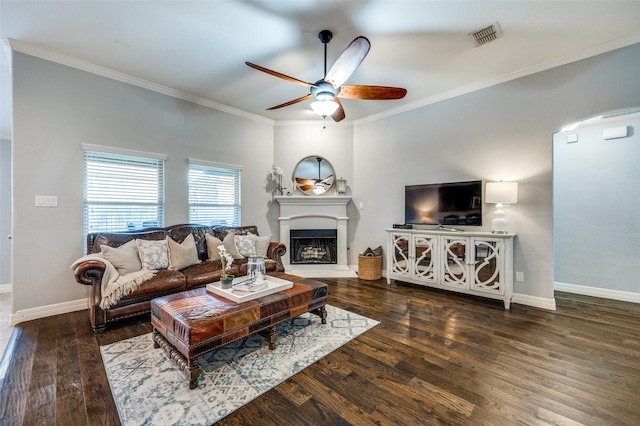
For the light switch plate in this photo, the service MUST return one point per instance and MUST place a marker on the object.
(46, 201)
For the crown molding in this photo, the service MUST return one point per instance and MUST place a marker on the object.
(59, 58)
(62, 59)
(308, 123)
(563, 60)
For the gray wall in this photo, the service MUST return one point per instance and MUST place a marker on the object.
(57, 108)
(5, 211)
(502, 132)
(597, 208)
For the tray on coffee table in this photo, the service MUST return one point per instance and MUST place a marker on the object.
(274, 285)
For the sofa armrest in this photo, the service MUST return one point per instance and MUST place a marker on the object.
(275, 251)
(89, 272)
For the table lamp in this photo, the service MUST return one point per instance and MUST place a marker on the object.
(502, 194)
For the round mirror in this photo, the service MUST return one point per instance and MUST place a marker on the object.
(314, 175)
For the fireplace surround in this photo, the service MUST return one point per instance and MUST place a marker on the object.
(325, 212)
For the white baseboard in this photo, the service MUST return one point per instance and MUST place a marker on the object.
(535, 301)
(523, 299)
(624, 296)
(6, 288)
(47, 311)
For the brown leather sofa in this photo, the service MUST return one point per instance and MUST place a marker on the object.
(164, 282)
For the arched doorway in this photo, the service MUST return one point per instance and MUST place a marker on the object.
(596, 206)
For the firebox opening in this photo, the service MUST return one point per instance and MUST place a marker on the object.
(314, 246)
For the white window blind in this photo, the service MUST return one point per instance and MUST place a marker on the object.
(122, 192)
(214, 195)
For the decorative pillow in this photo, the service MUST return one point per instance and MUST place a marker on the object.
(182, 255)
(154, 254)
(246, 244)
(229, 245)
(262, 244)
(124, 258)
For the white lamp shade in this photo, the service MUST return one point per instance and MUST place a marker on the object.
(501, 192)
(324, 108)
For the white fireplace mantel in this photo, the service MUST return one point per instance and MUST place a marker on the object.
(315, 212)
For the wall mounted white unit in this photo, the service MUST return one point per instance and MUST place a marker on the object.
(615, 132)
(478, 263)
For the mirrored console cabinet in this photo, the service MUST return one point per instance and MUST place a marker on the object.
(478, 263)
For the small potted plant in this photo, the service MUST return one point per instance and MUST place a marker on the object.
(227, 261)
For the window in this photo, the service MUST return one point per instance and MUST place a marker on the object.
(122, 192)
(214, 193)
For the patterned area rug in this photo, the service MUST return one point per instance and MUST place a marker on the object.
(149, 390)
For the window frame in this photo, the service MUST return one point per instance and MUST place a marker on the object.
(198, 197)
(121, 160)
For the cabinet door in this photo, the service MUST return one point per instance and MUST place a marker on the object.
(399, 263)
(454, 270)
(488, 258)
(424, 258)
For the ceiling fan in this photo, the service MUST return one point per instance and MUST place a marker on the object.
(328, 90)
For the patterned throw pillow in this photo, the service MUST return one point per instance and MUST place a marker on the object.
(246, 245)
(262, 244)
(154, 254)
(182, 255)
(124, 258)
(229, 245)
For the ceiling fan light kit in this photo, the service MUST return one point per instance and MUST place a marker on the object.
(324, 108)
(327, 91)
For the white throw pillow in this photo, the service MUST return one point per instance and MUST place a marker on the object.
(246, 245)
(124, 258)
(182, 255)
(228, 243)
(262, 244)
(154, 254)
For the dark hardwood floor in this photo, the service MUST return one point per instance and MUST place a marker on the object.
(436, 358)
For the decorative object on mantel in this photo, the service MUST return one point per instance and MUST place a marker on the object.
(341, 186)
(274, 180)
(502, 194)
(314, 175)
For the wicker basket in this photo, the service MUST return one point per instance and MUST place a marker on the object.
(369, 267)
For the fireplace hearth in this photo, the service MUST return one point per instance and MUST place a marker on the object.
(313, 246)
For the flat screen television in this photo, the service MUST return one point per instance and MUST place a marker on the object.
(454, 203)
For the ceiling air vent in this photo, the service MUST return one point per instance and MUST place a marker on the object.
(486, 35)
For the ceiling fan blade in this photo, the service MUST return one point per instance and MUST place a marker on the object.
(338, 114)
(372, 92)
(348, 61)
(303, 181)
(280, 75)
(295, 101)
(327, 180)
(307, 187)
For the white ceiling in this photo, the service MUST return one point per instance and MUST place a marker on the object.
(199, 47)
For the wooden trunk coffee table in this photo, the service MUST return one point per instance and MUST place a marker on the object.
(194, 322)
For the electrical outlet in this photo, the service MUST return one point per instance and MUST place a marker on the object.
(520, 277)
